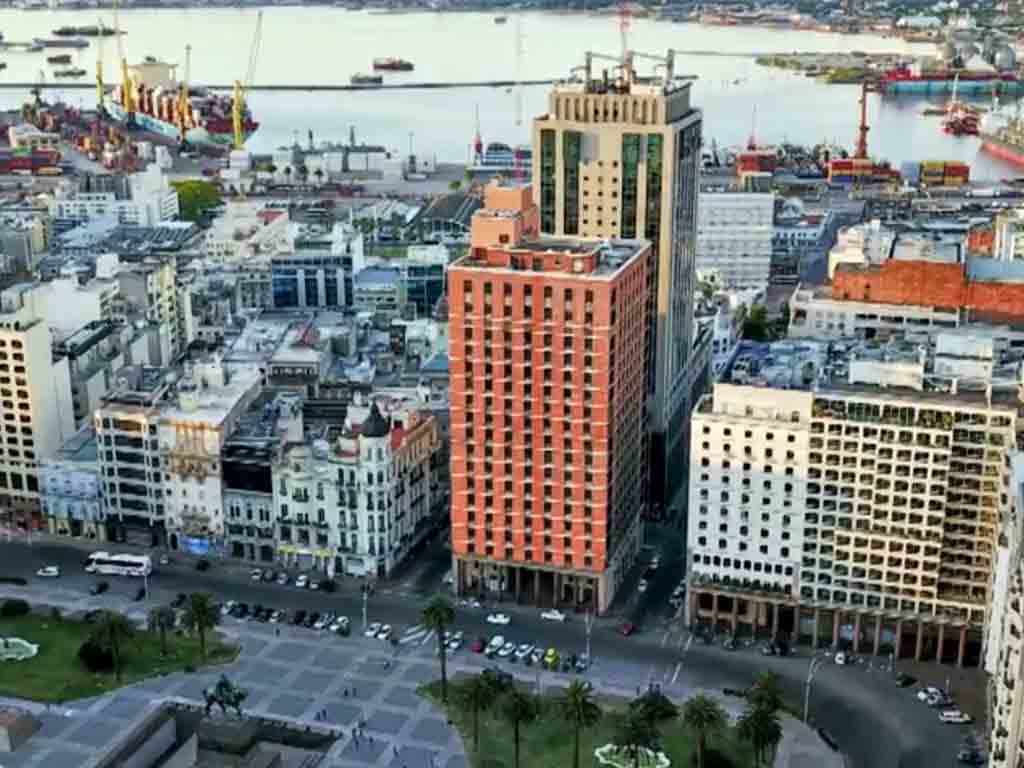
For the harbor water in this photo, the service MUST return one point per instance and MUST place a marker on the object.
(319, 45)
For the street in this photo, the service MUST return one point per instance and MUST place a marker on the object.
(873, 721)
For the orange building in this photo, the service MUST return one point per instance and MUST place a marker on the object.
(547, 396)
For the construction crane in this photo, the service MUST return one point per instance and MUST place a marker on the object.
(238, 103)
(183, 102)
(127, 91)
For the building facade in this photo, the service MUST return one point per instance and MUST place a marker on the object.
(547, 368)
(71, 494)
(734, 236)
(143, 199)
(620, 159)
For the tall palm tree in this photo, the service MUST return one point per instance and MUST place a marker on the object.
(201, 615)
(518, 708)
(579, 709)
(438, 615)
(761, 729)
(704, 716)
(476, 695)
(636, 730)
(161, 619)
(111, 631)
(766, 693)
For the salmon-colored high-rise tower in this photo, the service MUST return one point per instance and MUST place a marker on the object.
(547, 386)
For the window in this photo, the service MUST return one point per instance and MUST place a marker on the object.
(630, 173)
(547, 181)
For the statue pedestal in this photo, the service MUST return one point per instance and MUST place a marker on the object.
(227, 733)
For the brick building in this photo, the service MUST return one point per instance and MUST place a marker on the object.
(547, 393)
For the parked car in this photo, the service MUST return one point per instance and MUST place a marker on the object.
(385, 632)
(498, 618)
(553, 615)
(202, 564)
(954, 716)
(642, 586)
(302, 581)
(311, 619)
(626, 629)
(904, 680)
(299, 617)
(312, 584)
(536, 656)
(180, 599)
(478, 645)
(268, 575)
(277, 616)
(372, 630)
(970, 757)
(524, 650)
(551, 658)
(256, 574)
(225, 609)
(48, 572)
(582, 664)
(282, 579)
(165, 560)
(494, 645)
(841, 658)
(99, 588)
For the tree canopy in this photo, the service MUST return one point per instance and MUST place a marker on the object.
(195, 196)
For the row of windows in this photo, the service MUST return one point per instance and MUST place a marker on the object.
(744, 565)
(702, 541)
(568, 558)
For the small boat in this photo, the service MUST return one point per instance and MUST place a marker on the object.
(393, 65)
(366, 79)
(63, 58)
(500, 19)
(74, 72)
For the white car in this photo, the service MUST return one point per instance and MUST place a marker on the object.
(323, 621)
(282, 579)
(302, 581)
(495, 644)
(507, 650)
(48, 572)
(226, 608)
(642, 586)
(372, 630)
(498, 618)
(313, 584)
(553, 615)
(385, 632)
(928, 692)
(524, 650)
(954, 716)
(255, 574)
(840, 658)
(537, 656)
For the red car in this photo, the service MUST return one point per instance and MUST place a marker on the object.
(478, 645)
(627, 629)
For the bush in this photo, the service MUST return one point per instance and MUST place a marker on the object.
(95, 657)
(13, 608)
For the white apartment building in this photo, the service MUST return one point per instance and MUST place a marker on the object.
(1008, 235)
(150, 199)
(65, 305)
(734, 235)
(861, 244)
(192, 429)
(856, 495)
(150, 288)
(359, 504)
(245, 230)
(35, 406)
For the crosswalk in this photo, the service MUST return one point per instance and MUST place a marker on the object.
(416, 635)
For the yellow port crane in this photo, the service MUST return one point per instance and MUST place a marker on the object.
(100, 89)
(183, 102)
(127, 92)
(241, 88)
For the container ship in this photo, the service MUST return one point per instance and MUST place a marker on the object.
(917, 80)
(1003, 136)
(392, 65)
(89, 31)
(207, 118)
(61, 42)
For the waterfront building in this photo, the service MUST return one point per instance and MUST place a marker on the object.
(620, 158)
(734, 232)
(548, 396)
(141, 199)
(855, 495)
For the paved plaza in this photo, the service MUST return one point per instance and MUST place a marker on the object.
(339, 684)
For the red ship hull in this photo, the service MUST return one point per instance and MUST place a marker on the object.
(997, 149)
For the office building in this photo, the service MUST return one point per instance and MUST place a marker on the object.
(150, 289)
(379, 290)
(308, 280)
(855, 493)
(734, 232)
(619, 157)
(548, 396)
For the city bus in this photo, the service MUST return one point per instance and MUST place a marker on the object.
(118, 565)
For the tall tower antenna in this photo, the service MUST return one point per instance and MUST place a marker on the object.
(519, 69)
(862, 131)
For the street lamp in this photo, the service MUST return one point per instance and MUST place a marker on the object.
(588, 624)
(366, 594)
(816, 663)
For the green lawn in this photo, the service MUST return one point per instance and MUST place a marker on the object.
(548, 742)
(56, 674)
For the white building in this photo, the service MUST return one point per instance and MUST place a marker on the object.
(861, 244)
(734, 235)
(245, 230)
(65, 305)
(70, 489)
(191, 432)
(148, 200)
(1008, 235)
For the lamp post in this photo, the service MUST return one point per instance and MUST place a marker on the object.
(366, 594)
(816, 663)
(588, 625)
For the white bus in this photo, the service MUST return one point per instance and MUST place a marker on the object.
(119, 565)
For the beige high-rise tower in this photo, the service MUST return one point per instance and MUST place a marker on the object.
(618, 155)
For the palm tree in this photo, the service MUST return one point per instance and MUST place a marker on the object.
(439, 615)
(476, 695)
(636, 730)
(110, 632)
(518, 708)
(161, 619)
(760, 728)
(580, 710)
(704, 716)
(201, 615)
(766, 693)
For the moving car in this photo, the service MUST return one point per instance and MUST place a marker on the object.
(282, 579)
(48, 572)
(553, 615)
(255, 574)
(524, 650)
(498, 618)
(302, 581)
(954, 716)
(372, 630)
(507, 650)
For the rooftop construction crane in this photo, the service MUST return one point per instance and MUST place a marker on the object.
(238, 104)
(127, 94)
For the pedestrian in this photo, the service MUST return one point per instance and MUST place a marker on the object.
(354, 693)
(346, 693)
(394, 750)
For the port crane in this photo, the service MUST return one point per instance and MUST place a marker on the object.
(241, 88)
(183, 102)
(100, 88)
(127, 94)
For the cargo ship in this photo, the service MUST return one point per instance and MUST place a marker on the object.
(392, 65)
(207, 118)
(70, 73)
(905, 79)
(366, 80)
(61, 42)
(89, 31)
(1003, 136)
(960, 120)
